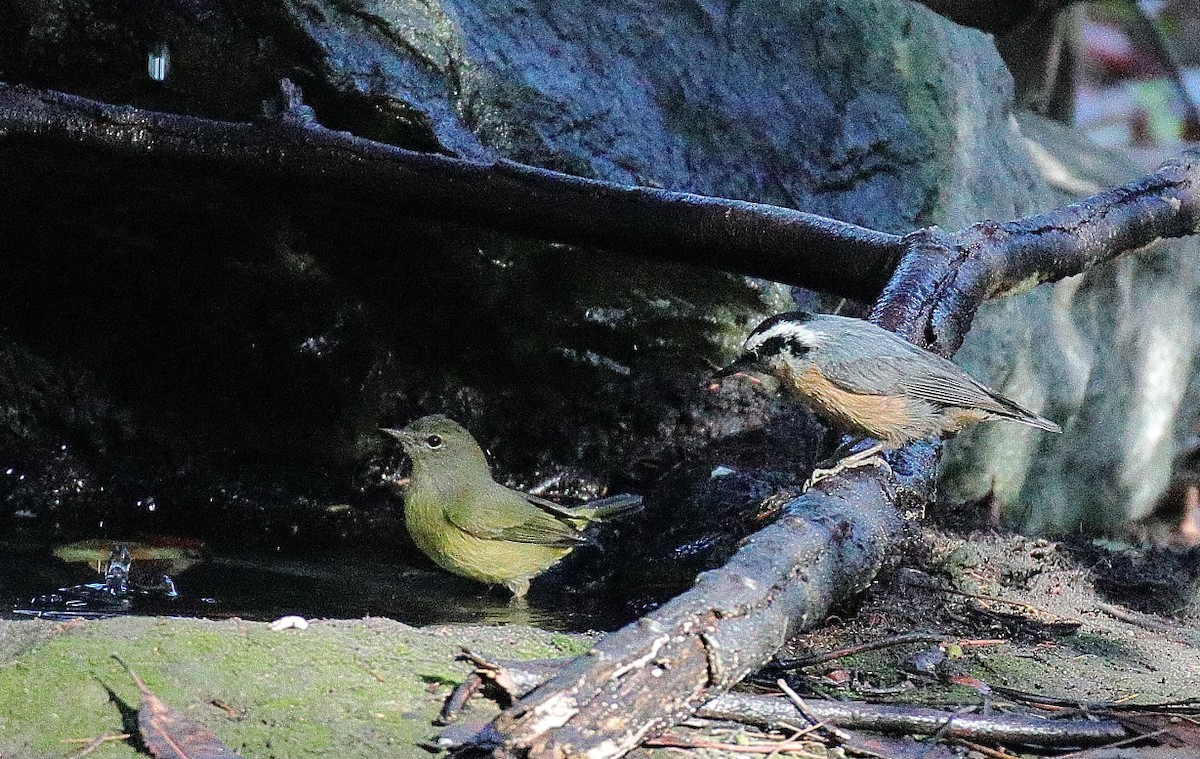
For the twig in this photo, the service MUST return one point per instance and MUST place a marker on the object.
(994, 599)
(1182, 707)
(986, 750)
(1139, 620)
(843, 737)
(982, 642)
(1118, 744)
(797, 733)
(670, 740)
(894, 640)
(942, 731)
(93, 743)
(1162, 51)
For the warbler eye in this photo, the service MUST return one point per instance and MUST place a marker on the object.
(434, 442)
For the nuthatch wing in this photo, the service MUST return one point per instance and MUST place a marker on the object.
(871, 382)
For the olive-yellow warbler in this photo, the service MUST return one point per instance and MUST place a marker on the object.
(477, 528)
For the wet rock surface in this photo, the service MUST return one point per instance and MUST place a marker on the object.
(252, 336)
(225, 346)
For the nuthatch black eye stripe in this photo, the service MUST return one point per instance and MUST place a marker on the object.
(780, 343)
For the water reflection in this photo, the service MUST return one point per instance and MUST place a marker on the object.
(264, 586)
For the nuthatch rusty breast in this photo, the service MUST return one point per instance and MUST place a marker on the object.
(871, 382)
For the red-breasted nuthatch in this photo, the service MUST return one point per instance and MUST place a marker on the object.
(871, 382)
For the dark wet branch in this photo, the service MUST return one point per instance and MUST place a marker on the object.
(934, 279)
(759, 240)
(660, 669)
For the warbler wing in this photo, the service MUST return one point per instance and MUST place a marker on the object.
(592, 511)
(550, 507)
(504, 514)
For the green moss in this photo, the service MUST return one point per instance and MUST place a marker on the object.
(568, 645)
(352, 687)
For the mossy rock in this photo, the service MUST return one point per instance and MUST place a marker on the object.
(354, 687)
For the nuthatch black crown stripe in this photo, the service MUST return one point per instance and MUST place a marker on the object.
(871, 382)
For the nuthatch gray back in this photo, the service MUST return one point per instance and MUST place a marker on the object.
(871, 382)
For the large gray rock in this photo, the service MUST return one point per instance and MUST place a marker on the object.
(1109, 354)
(881, 113)
(287, 326)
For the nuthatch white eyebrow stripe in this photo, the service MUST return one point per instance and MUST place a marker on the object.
(870, 382)
(784, 332)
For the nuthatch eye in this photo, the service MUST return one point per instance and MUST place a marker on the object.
(871, 382)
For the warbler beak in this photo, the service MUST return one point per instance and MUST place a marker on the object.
(743, 363)
(400, 435)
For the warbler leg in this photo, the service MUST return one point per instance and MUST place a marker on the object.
(518, 587)
(867, 456)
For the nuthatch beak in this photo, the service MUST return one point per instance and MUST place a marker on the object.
(742, 363)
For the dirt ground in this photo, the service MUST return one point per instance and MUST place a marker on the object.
(1088, 621)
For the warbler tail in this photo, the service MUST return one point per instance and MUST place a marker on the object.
(613, 506)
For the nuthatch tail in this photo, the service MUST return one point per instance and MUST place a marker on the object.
(871, 382)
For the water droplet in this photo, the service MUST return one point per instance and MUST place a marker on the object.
(158, 62)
